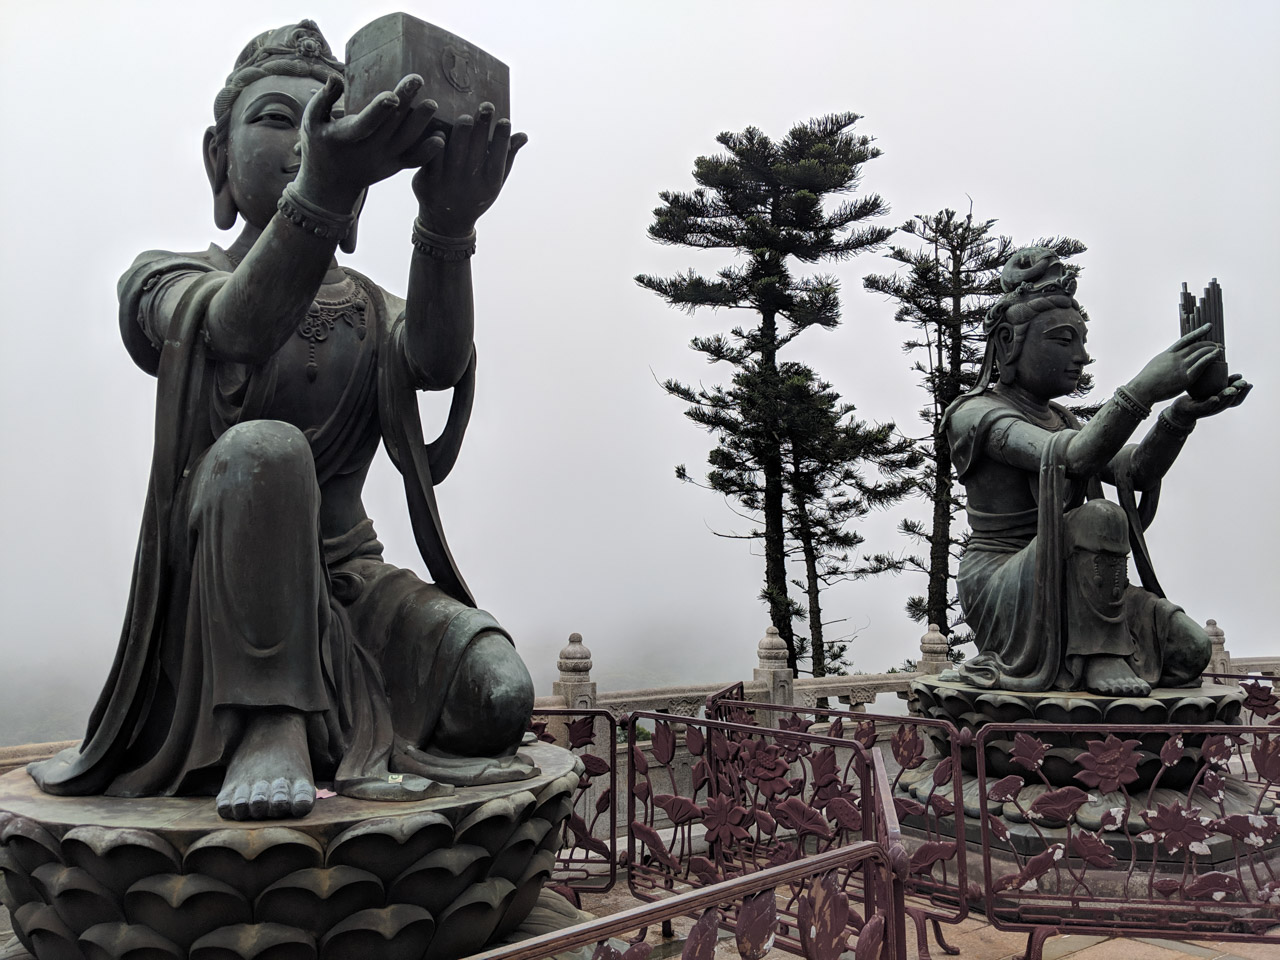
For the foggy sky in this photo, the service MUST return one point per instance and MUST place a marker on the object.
(1148, 131)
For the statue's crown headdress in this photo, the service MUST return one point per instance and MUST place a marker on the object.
(297, 41)
(1031, 272)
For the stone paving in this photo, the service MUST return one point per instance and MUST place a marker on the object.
(975, 938)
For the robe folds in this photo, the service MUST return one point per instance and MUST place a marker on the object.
(1013, 577)
(188, 648)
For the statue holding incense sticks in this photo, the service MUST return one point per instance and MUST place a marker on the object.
(1044, 580)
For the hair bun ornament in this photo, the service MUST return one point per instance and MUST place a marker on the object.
(1035, 270)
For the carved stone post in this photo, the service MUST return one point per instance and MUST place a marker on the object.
(1219, 659)
(773, 669)
(933, 651)
(575, 684)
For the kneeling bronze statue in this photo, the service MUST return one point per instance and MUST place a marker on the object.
(267, 646)
(1044, 580)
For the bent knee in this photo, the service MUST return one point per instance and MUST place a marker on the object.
(490, 700)
(1098, 525)
(262, 444)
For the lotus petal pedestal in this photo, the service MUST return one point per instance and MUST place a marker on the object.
(100, 878)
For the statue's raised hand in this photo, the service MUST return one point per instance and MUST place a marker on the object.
(1171, 371)
(464, 179)
(1186, 409)
(342, 156)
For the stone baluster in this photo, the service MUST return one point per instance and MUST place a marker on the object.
(933, 651)
(575, 685)
(773, 669)
(1219, 659)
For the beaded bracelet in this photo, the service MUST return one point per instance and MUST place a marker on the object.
(1130, 404)
(1166, 423)
(440, 247)
(313, 219)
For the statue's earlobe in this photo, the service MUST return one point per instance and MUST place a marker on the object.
(215, 167)
(1006, 353)
(348, 245)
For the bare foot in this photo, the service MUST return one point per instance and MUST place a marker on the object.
(269, 776)
(1113, 677)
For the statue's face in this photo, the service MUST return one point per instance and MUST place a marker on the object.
(262, 143)
(1053, 355)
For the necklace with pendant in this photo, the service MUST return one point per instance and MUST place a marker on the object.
(323, 315)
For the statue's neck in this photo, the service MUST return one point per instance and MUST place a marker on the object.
(240, 248)
(1023, 398)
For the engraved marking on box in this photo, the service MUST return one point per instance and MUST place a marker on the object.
(458, 75)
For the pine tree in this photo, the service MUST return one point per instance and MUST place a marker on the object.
(948, 285)
(827, 450)
(764, 201)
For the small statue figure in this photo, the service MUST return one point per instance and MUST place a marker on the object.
(1044, 580)
(267, 645)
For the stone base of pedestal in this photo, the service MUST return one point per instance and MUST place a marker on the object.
(972, 708)
(99, 878)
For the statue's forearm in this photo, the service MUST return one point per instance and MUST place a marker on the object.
(1158, 450)
(439, 317)
(1106, 433)
(268, 293)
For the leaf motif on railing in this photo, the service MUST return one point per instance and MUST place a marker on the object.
(639, 762)
(931, 852)
(997, 827)
(1057, 805)
(657, 849)
(906, 807)
(942, 805)
(1005, 789)
(844, 814)
(595, 766)
(1092, 849)
(765, 821)
(583, 838)
(641, 791)
(824, 766)
(1212, 886)
(705, 870)
(603, 801)
(1034, 869)
(907, 747)
(1266, 757)
(694, 740)
(823, 915)
(701, 775)
(757, 924)
(1172, 751)
(1253, 829)
(679, 809)
(581, 732)
(701, 943)
(869, 939)
(942, 772)
(1028, 752)
(797, 815)
(664, 743)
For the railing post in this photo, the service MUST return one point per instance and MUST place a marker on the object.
(575, 685)
(933, 651)
(1219, 659)
(773, 669)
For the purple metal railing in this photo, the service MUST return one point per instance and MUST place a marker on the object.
(740, 799)
(938, 869)
(588, 857)
(1196, 854)
(753, 901)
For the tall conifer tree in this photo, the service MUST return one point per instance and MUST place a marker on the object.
(944, 292)
(764, 201)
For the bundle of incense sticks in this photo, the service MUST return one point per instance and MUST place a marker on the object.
(1192, 315)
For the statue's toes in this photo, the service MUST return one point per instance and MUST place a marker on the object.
(304, 798)
(225, 796)
(260, 799)
(240, 803)
(280, 800)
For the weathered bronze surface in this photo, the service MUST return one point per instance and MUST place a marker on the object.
(267, 646)
(1044, 581)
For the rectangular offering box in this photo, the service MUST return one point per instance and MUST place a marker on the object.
(457, 75)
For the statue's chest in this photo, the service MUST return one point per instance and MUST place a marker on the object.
(320, 369)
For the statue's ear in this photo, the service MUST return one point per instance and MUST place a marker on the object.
(349, 244)
(215, 167)
(1007, 350)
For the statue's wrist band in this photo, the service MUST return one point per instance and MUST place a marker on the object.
(439, 247)
(1130, 404)
(313, 219)
(1166, 423)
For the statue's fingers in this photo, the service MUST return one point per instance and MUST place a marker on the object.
(319, 108)
(518, 140)
(413, 128)
(456, 151)
(495, 157)
(1242, 390)
(426, 153)
(1187, 339)
(383, 110)
(1200, 359)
